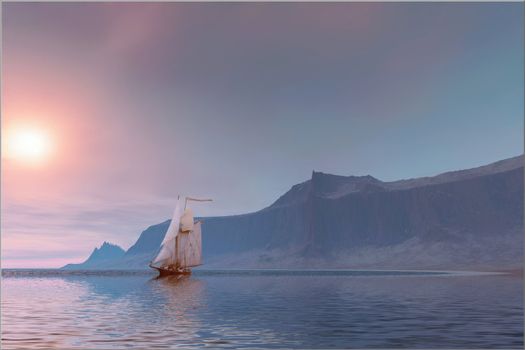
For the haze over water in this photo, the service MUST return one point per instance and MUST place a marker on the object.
(61, 309)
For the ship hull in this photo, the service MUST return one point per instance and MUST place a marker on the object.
(165, 272)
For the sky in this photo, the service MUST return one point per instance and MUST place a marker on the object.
(121, 106)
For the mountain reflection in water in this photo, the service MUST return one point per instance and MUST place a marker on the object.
(61, 309)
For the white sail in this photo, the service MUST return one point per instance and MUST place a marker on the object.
(189, 247)
(167, 253)
(186, 221)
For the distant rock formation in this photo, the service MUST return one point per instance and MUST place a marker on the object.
(468, 219)
(101, 257)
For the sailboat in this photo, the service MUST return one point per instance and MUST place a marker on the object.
(181, 247)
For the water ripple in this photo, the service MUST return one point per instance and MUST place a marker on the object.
(260, 309)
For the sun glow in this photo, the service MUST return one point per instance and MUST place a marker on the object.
(27, 144)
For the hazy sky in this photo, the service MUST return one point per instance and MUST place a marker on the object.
(238, 102)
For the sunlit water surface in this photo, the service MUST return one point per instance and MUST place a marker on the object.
(328, 309)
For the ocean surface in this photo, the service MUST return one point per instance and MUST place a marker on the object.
(260, 309)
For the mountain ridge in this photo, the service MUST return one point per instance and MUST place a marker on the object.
(106, 253)
(330, 220)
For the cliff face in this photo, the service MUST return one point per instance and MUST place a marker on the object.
(471, 218)
(463, 219)
(149, 240)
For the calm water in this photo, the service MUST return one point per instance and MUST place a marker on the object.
(330, 309)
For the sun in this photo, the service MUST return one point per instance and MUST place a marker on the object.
(27, 144)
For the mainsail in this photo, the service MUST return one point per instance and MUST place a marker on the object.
(167, 253)
(188, 247)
